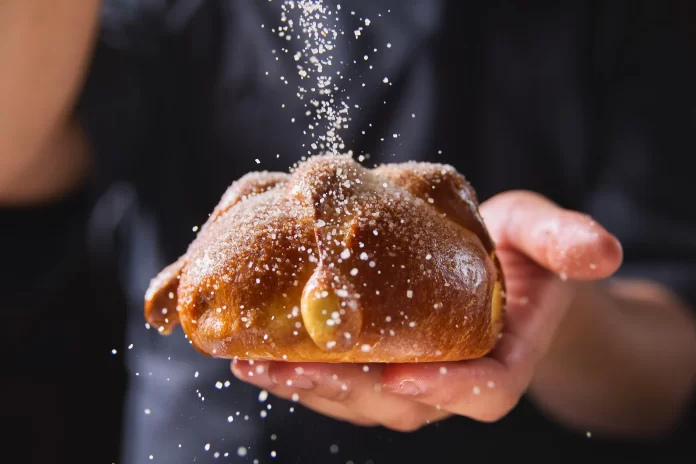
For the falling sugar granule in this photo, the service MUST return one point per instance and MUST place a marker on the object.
(317, 27)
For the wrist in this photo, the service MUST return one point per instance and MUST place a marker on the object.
(590, 313)
(581, 336)
(622, 362)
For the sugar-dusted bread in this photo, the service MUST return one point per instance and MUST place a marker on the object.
(336, 262)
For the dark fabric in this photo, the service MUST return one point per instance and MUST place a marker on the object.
(62, 309)
(590, 103)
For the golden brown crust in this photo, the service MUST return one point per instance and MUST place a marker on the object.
(450, 192)
(161, 298)
(338, 263)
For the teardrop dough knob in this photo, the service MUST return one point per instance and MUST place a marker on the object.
(331, 310)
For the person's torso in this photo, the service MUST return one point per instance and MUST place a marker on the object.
(500, 91)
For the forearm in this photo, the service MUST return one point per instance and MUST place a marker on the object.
(44, 50)
(623, 361)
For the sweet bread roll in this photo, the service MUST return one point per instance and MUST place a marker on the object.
(335, 262)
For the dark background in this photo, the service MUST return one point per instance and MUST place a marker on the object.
(62, 387)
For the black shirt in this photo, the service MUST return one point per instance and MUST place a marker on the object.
(590, 103)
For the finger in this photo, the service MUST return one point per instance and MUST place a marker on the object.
(358, 388)
(537, 302)
(484, 389)
(568, 243)
(256, 373)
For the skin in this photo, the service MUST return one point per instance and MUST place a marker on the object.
(44, 52)
(617, 358)
(588, 351)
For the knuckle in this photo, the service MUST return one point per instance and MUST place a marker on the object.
(448, 398)
(345, 396)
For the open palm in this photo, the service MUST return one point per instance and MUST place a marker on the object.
(544, 251)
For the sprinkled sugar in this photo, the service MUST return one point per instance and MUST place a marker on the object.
(330, 116)
(316, 26)
(263, 395)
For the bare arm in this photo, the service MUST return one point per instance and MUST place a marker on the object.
(44, 50)
(623, 361)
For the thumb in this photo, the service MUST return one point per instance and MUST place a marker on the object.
(565, 242)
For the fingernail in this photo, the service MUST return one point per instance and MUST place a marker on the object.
(405, 387)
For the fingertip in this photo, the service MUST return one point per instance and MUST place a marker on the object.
(236, 366)
(314, 372)
(254, 372)
(315, 368)
(611, 250)
(583, 249)
(394, 375)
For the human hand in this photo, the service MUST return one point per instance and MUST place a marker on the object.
(544, 251)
